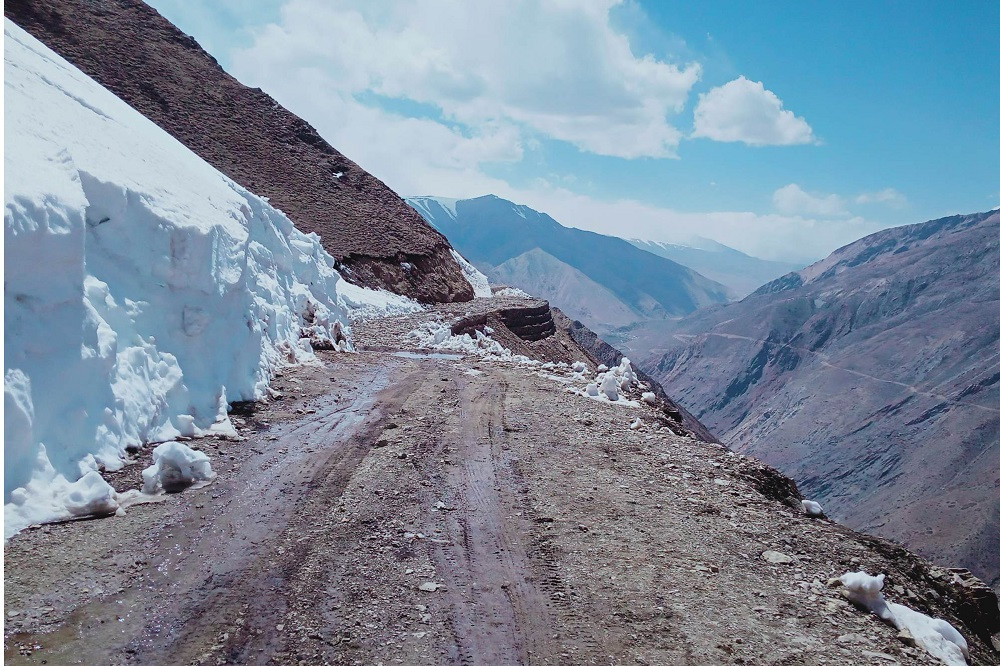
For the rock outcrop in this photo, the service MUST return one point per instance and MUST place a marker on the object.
(127, 47)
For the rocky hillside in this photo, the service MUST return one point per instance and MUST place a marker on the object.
(130, 49)
(871, 377)
(602, 280)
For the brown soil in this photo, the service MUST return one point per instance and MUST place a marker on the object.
(433, 510)
(127, 47)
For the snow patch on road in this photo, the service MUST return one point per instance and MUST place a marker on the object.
(614, 384)
(938, 637)
(175, 466)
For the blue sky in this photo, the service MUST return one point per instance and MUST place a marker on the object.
(782, 129)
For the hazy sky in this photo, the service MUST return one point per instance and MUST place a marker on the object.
(782, 129)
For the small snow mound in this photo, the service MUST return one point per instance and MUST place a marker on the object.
(812, 508)
(612, 385)
(436, 335)
(939, 638)
(512, 292)
(175, 467)
(480, 285)
(649, 397)
(636, 424)
(579, 367)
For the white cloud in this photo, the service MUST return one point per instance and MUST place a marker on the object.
(793, 200)
(889, 196)
(555, 68)
(743, 110)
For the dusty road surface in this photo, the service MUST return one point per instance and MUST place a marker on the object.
(428, 510)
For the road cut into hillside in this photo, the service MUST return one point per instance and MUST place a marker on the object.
(449, 508)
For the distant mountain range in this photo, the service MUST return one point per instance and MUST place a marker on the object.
(871, 377)
(601, 280)
(738, 271)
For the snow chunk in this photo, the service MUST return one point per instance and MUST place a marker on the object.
(938, 637)
(579, 367)
(480, 285)
(512, 292)
(649, 397)
(175, 467)
(611, 385)
(436, 335)
(812, 508)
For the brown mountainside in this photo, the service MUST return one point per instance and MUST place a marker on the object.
(127, 47)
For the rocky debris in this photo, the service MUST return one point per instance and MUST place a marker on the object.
(126, 46)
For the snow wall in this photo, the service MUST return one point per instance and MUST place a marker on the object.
(144, 290)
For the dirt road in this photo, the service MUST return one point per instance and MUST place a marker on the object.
(436, 510)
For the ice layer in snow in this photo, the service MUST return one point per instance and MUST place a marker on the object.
(935, 635)
(175, 467)
(144, 290)
(480, 285)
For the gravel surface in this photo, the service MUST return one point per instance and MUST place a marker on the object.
(422, 510)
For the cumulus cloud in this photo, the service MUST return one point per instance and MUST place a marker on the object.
(793, 200)
(743, 110)
(569, 75)
(889, 196)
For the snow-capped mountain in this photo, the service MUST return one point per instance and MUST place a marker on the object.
(601, 280)
(740, 272)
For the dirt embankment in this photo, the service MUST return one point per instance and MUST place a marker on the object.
(428, 510)
(127, 47)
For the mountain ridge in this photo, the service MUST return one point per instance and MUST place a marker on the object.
(490, 230)
(871, 378)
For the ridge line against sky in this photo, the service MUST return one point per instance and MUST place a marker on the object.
(782, 131)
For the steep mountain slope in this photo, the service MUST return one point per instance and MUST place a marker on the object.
(556, 281)
(740, 272)
(871, 377)
(490, 231)
(127, 47)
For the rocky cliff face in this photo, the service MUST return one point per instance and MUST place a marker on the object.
(872, 378)
(127, 47)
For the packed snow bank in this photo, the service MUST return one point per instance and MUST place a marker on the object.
(938, 637)
(480, 285)
(175, 467)
(144, 290)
